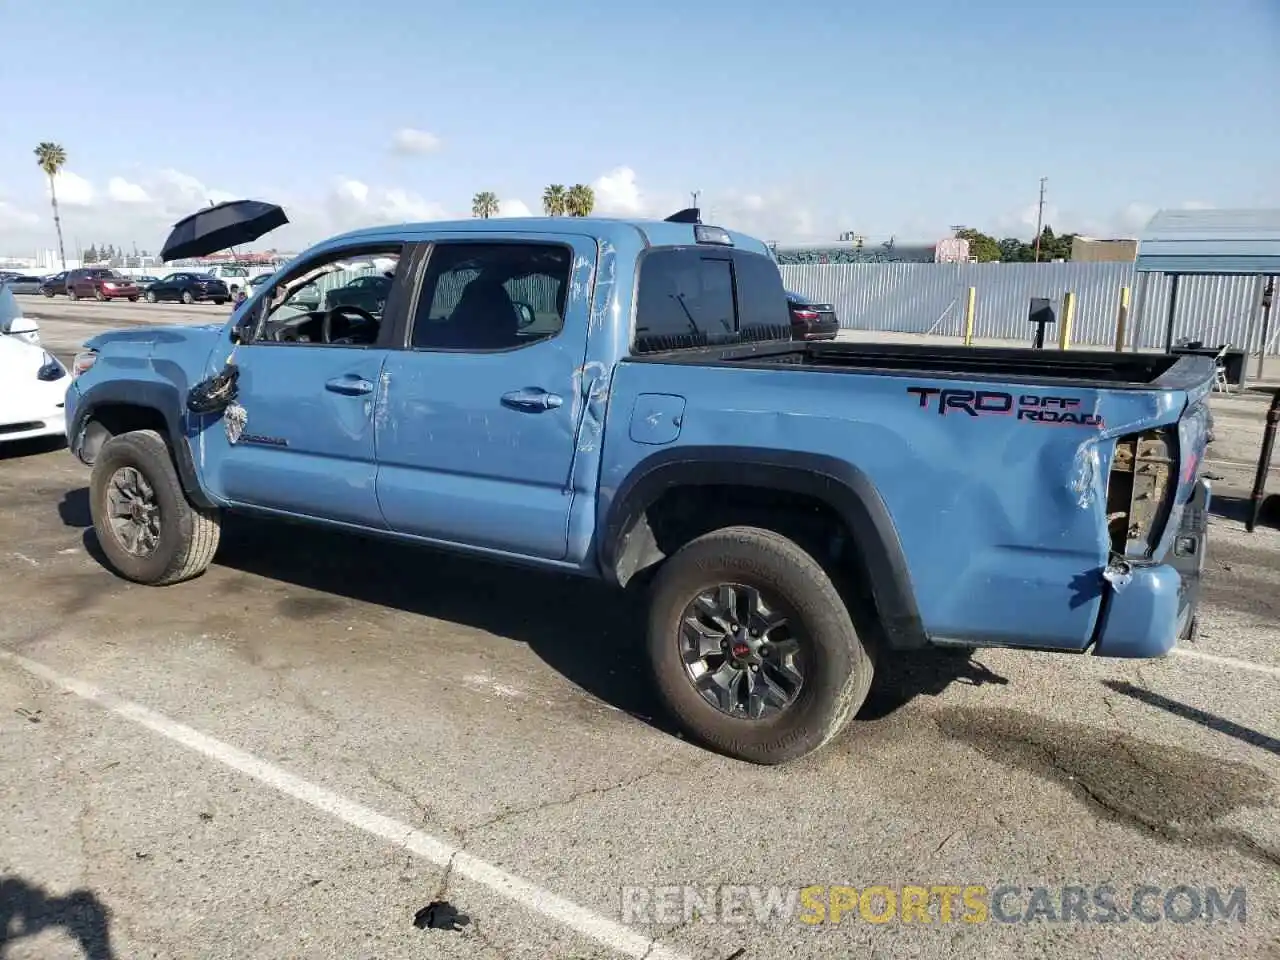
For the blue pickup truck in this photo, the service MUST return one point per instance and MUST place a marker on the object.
(623, 400)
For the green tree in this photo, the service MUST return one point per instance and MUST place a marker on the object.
(982, 248)
(1053, 246)
(52, 158)
(1013, 250)
(580, 200)
(484, 204)
(554, 199)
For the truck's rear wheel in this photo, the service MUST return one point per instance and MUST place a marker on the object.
(145, 525)
(752, 647)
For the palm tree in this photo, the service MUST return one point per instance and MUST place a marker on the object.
(580, 200)
(554, 200)
(53, 158)
(484, 204)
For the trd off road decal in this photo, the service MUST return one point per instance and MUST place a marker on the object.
(1026, 408)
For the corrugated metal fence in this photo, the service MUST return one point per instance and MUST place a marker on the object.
(930, 298)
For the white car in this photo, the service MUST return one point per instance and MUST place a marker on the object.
(34, 381)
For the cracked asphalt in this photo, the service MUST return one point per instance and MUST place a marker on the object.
(506, 714)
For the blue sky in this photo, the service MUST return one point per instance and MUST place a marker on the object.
(795, 120)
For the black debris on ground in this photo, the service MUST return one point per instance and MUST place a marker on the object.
(440, 915)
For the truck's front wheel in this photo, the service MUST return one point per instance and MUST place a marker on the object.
(145, 525)
(753, 648)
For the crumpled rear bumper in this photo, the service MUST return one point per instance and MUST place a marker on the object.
(1149, 609)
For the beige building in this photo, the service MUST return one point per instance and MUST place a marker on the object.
(1089, 250)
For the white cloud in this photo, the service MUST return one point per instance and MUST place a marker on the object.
(514, 208)
(143, 206)
(178, 193)
(352, 204)
(778, 216)
(13, 217)
(410, 142)
(73, 190)
(617, 194)
(122, 191)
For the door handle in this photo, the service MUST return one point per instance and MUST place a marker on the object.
(532, 398)
(349, 386)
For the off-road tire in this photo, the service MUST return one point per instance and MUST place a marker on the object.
(840, 667)
(188, 534)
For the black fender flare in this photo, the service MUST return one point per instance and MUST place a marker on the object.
(839, 484)
(157, 397)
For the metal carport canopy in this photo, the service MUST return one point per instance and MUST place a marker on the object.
(1218, 242)
(1181, 243)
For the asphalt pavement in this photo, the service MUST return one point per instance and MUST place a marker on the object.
(298, 752)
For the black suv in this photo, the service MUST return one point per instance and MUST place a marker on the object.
(54, 285)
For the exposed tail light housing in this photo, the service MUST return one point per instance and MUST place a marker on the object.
(83, 362)
(804, 314)
(1140, 491)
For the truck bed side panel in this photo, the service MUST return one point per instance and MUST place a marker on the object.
(998, 496)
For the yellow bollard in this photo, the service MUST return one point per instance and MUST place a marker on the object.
(969, 315)
(1122, 320)
(1068, 314)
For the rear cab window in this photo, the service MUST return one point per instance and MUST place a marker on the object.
(700, 296)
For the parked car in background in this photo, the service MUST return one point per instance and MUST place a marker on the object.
(809, 320)
(23, 283)
(145, 281)
(35, 382)
(235, 278)
(367, 293)
(101, 283)
(54, 285)
(189, 288)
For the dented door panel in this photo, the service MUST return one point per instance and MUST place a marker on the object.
(302, 440)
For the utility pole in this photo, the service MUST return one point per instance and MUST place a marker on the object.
(1040, 217)
(694, 196)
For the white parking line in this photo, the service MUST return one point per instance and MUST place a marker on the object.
(599, 928)
(1227, 661)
